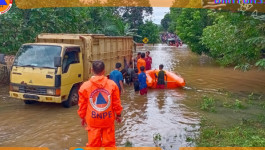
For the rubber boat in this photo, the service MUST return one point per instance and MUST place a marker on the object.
(173, 80)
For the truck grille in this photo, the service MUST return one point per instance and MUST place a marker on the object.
(32, 90)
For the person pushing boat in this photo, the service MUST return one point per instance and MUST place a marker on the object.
(161, 77)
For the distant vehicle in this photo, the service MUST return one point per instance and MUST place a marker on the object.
(174, 42)
(179, 43)
(53, 68)
(171, 42)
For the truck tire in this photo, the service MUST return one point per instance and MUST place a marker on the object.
(28, 102)
(72, 99)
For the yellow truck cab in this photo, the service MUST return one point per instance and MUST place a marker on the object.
(53, 68)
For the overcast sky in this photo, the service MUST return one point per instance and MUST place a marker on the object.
(158, 14)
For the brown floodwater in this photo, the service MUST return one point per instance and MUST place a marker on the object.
(174, 114)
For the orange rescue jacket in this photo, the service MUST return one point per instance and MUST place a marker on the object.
(141, 62)
(99, 101)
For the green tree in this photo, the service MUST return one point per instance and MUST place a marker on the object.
(165, 22)
(233, 39)
(227, 39)
(149, 30)
(135, 15)
(27, 24)
(174, 14)
(190, 25)
(259, 42)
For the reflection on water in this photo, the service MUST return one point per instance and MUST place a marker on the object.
(159, 112)
(171, 113)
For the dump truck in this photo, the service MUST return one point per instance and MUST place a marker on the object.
(53, 68)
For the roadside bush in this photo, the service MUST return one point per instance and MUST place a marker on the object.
(227, 40)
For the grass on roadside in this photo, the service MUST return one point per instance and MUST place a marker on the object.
(248, 133)
(208, 104)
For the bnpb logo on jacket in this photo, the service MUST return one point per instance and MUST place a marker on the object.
(100, 100)
(5, 5)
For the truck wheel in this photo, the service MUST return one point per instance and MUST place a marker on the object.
(29, 102)
(72, 99)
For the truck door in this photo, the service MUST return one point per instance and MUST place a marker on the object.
(72, 69)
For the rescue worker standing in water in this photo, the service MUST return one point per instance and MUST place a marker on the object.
(141, 62)
(99, 106)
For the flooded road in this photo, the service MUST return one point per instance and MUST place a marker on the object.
(173, 114)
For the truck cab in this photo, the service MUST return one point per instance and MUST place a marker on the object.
(47, 72)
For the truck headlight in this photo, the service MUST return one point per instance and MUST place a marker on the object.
(54, 92)
(50, 91)
(14, 88)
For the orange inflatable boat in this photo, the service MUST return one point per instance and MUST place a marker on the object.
(173, 80)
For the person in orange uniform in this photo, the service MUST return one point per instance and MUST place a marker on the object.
(99, 106)
(141, 62)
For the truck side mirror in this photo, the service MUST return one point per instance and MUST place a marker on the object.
(57, 61)
(2, 59)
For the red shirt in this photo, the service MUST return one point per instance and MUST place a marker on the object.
(148, 61)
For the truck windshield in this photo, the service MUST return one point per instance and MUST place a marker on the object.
(37, 56)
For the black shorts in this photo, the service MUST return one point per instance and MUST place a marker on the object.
(136, 86)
